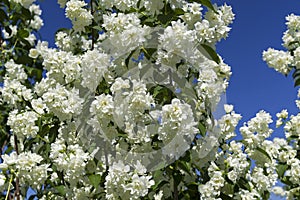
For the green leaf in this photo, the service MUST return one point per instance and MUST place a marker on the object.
(91, 166)
(244, 184)
(264, 152)
(281, 169)
(286, 180)
(3, 15)
(224, 196)
(26, 14)
(95, 180)
(228, 188)
(23, 33)
(207, 3)
(98, 28)
(149, 52)
(212, 53)
(8, 150)
(185, 166)
(61, 189)
(296, 76)
(178, 177)
(202, 129)
(25, 60)
(179, 11)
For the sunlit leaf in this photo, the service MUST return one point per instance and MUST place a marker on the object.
(95, 180)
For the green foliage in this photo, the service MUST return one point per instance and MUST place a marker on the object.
(296, 76)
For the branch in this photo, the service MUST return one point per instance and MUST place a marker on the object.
(175, 188)
(17, 192)
(93, 31)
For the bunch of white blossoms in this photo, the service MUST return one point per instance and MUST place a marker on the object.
(69, 159)
(284, 61)
(79, 16)
(14, 90)
(256, 130)
(124, 33)
(23, 124)
(212, 188)
(278, 59)
(122, 182)
(26, 166)
(37, 21)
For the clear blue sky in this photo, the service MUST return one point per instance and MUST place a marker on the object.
(259, 24)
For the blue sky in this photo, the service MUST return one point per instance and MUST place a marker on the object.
(259, 24)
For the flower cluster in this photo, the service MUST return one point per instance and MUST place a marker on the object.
(15, 90)
(285, 61)
(78, 14)
(257, 130)
(28, 167)
(23, 124)
(124, 32)
(121, 182)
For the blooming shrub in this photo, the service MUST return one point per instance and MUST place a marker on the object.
(122, 107)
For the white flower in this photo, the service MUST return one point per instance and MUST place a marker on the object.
(2, 180)
(292, 127)
(247, 195)
(228, 108)
(94, 66)
(36, 23)
(38, 105)
(139, 185)
(281, 116)
(257, 129)
(298, 101)
(13, 32)
(159, 195)
(279, 60)
(28, 168)
(33, 53)
(31, 39)
(35, 9)
(119, 84)
(278, 191)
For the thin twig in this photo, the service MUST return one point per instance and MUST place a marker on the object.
(93, 31)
